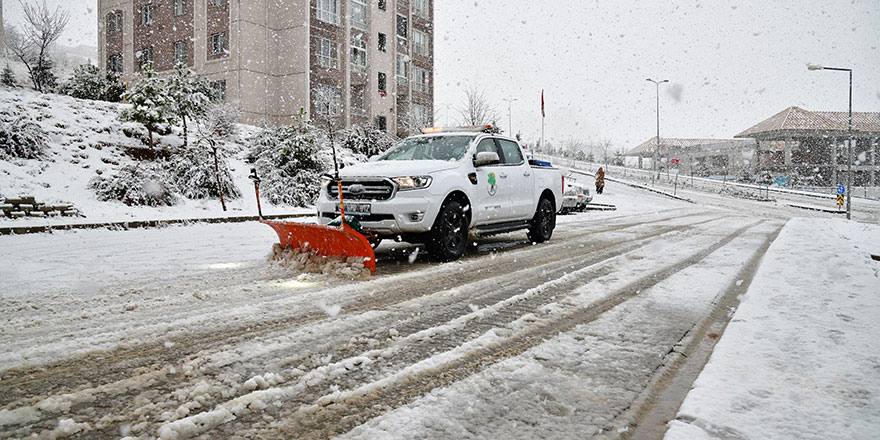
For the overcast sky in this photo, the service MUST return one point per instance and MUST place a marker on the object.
(731, 63)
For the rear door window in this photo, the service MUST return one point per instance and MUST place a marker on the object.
(512, 153)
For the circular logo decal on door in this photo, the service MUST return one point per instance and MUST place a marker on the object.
(492, 184)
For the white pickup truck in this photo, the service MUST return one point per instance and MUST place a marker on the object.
(444, 189)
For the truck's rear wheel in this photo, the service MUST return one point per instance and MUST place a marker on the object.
(543, 223)
(448, 238)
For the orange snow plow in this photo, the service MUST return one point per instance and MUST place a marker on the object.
(325, 240)
(342, 240)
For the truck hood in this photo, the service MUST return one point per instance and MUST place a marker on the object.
(396, 168)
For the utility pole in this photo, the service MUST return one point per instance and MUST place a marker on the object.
(657, 145)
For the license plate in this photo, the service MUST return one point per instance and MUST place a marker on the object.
(355, 208)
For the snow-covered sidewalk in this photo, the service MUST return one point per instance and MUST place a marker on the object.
(800, 358)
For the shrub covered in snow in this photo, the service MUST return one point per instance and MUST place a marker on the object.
(135, 185)
(219, 122)
(22, 138)
(88, 82)
(7, 78)
(367, 141)
(192, 171)
(289, 163)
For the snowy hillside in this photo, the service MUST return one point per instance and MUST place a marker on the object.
(85, 140)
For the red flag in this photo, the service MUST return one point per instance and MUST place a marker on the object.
(543, 115)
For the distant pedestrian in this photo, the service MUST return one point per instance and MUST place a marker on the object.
(600, 180)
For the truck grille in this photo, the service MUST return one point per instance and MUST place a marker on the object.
(362, 189)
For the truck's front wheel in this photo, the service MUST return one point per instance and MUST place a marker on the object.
(448, 238)
(543, 223)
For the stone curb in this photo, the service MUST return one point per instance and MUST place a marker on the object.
(15, 230)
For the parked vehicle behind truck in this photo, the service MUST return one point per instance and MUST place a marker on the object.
(445, 188)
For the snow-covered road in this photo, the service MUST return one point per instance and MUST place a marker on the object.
(188, 331)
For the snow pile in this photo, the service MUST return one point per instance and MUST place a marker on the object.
(800, 356)
(306, 260)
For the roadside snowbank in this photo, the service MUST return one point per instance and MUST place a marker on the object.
(801, 354)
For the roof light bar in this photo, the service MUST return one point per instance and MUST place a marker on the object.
(468, 128)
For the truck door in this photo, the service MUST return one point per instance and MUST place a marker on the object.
(521, 178)
(492, 203)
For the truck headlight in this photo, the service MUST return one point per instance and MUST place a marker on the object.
(412, 182)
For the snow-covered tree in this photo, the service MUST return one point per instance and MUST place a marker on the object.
(8, 77)
(219, 122)
(40, 30)
(140, 184)
(190, 96)
(288, 162)
(367, 141)
(88, 82)
(22, 138)
(193, 173)
(151, 104)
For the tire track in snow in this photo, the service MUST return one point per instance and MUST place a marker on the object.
(341, 411)
(576, 251)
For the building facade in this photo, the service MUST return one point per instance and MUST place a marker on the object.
(344, 61)
(701, 157)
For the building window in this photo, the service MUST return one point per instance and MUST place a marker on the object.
(420, 8)
(383, 41)
(220, 3)
(180, 54)
(219, 88)
(401, 26)
(114, 63)
(402, 69)
(114, 21)
(358, 97)
(382, 123)
(382, 81)
(328, 12)
(420, 79)
(420, 116)
(358, 53)
(382, 5)
(359, 14)
(179, 7)
(327, 100)
(146, 14)
(328, 55)
(420, 43)
(146, 56)
(218, 43)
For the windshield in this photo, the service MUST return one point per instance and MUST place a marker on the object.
(451, 148)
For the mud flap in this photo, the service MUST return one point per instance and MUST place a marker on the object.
(325, 240)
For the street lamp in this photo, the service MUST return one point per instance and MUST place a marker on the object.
(657, 146)
(850, 144)
(509, 124)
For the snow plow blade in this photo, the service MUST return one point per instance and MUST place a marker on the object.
(325, 240)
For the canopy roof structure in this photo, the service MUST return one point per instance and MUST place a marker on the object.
(796, 121)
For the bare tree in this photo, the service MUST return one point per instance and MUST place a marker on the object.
(477, 110)
(31, 45)
(605, 151)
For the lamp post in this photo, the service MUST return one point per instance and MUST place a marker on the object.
(657, 146)
(509, 124)
(850, 144)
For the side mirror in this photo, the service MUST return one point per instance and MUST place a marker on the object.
(486, 158)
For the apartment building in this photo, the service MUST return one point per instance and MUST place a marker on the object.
(346, 61)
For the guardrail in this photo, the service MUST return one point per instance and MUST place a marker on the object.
(685, 181)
